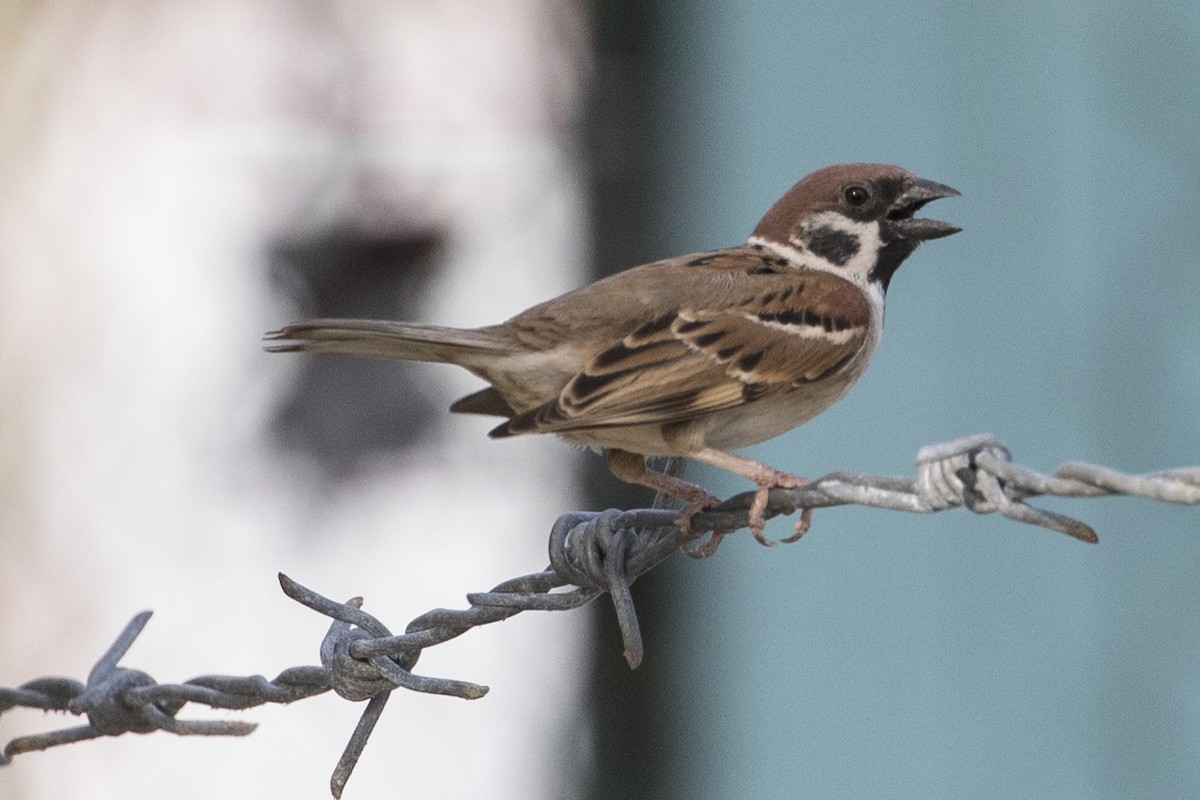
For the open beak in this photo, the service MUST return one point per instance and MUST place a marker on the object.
(901, 214)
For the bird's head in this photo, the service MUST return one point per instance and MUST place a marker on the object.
(856, 219)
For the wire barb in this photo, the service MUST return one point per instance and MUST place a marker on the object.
(591, 554)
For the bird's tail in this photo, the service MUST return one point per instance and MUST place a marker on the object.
(405, 341)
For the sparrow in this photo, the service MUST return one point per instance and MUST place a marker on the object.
(691, 356)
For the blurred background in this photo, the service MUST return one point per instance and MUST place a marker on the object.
(179, 179)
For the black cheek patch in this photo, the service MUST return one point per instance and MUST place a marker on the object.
(836, 247)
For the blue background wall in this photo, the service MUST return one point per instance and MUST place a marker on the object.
(888, 655)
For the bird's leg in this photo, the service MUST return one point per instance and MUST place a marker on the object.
(631, 468)
(766, 478)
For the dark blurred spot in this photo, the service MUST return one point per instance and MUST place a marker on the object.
(344, 411)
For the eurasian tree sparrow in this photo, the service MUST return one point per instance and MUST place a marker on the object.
(695, 355)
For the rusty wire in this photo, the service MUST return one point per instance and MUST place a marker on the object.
(591, 553)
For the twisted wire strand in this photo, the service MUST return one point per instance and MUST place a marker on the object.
(593, 553)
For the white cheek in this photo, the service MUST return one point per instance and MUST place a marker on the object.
(859, 266)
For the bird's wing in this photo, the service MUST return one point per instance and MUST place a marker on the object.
(761, 331)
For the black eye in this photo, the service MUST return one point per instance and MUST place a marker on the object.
(856, 195)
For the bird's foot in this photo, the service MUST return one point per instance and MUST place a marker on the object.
(696, 501)
(765, 479)
(769, 478)
(702, 501)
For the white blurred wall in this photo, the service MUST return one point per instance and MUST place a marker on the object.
(152, 153)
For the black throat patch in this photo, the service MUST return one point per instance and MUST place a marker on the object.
(890, 257)
(835, 246)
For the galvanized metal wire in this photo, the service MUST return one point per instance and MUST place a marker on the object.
(591, 554)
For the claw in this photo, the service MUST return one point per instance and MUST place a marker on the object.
(708, 547)
(758, 514)
(683, 521)
(801, 526)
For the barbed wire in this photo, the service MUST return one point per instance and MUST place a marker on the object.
(595, 553)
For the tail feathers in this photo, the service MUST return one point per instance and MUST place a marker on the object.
(379, 339)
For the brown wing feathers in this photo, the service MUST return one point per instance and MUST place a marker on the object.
(793, 329)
